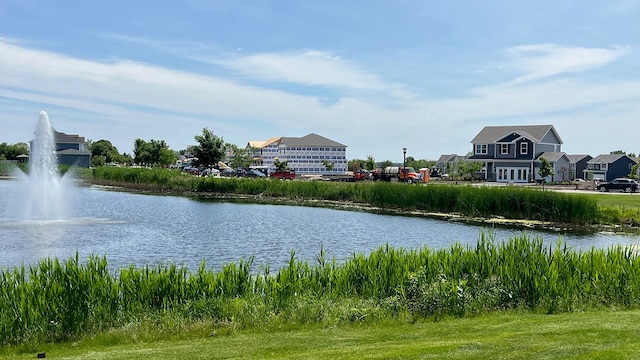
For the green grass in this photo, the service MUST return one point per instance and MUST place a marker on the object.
(624, 200)
(62, 301)
(508, 335)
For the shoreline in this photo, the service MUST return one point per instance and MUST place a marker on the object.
(523, 224)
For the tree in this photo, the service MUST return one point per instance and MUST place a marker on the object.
(153, 153)
(240, 158)
(635, 171)
(103, 148)
(280, 165)
(386, 163)
(328, 164)
(210, 149)
(466, 169)
(370, 163)
(545, 170)
(11, 152)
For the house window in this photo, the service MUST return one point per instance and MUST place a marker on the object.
(524, 148)
(481, 148)
(603, 166)
(504, 148)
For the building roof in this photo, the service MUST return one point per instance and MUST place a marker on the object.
(62, 138)
(607, 158)
(73, 152)
(447, 158)
(310, 140)
(577, 157)
(536, 133)
(258, 144)
(552, 156)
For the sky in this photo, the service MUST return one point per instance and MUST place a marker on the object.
(376, 76)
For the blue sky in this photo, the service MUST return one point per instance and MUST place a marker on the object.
(376, 76)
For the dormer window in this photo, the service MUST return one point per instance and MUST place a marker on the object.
(524, 148)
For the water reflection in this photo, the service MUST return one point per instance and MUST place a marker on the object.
(134, 229)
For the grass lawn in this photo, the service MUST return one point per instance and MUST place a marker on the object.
(506, 335)
(617, 199)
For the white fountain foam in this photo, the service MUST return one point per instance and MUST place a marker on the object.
(43, 194)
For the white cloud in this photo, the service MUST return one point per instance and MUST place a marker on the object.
(312, 67)
(128, 99)
(546, 60)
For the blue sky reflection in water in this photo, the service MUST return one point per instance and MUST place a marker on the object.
(134, 229)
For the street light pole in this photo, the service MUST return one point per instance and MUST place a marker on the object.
(404, 164)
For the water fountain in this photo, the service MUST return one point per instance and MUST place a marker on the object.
(42, 194)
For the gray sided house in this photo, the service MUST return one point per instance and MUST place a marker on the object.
(448, 162)
(608, 167)
(560, 164)
(71, 150)
(510, 153)
(577, 166)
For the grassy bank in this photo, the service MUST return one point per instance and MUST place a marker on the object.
(61, 301)
(482, 202)
(507, 335)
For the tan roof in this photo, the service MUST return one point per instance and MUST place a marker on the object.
(257, 144)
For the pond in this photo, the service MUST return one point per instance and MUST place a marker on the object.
(136, 229)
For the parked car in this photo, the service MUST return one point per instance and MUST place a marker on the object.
(227, 172)
(253, 173)
(623, 184)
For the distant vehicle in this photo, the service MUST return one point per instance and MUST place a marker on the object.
(622, 184)
(403, 174)
(227, 172)
(349, 176)
(253, 173)
(284, 175)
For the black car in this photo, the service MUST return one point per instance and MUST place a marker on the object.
(623, 184)
(253, 173)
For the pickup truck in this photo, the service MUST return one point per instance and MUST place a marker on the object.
(283, 175)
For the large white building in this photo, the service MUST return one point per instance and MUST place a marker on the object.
(304, 154)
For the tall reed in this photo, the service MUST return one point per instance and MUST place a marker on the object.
(54, 300)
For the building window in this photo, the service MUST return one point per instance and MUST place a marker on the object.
(504, 148)
(524, 148)
(481, 148)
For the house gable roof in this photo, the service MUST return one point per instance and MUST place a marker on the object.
(62, 138)
(536, 133)
(447, 157)
(577, 157)
(607, 158)
(553, 156)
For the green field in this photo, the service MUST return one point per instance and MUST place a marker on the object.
(509, 335)
(623, 200)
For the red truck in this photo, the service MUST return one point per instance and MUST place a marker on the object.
(284, 175)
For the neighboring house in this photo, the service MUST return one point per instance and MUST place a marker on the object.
(560, 164)
(509, 153)
(577, 166)
(71, 150)
(608, 167)
(447, 163)
(302, 154)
